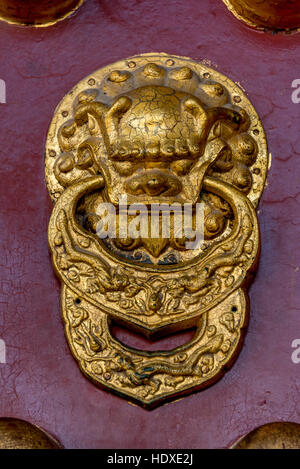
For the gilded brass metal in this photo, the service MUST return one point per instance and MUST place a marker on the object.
(276, 435)
(161, 129)
(267, 14)
(18, 434)
(37, 12)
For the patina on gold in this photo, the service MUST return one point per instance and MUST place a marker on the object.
(161, 129)
(37, 12)
(267, 14)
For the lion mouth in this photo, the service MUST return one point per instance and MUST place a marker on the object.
(153, 183)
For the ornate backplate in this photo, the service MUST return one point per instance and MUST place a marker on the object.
(149, 130)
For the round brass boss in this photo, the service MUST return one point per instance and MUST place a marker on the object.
(36, 13)
(269, 14)
(19, 434)
(276, 435)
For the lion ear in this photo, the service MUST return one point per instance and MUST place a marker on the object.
(113, 116)
(117, 109)
(193, 107)
(93, 125)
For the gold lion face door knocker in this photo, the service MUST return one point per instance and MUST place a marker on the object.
(165, 132)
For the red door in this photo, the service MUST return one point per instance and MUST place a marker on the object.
(40, 381)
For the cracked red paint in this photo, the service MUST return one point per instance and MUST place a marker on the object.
(41, 382)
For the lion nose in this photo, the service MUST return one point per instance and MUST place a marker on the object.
(155, 186)
(153, 183)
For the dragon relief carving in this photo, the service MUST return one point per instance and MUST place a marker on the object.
(169, 131)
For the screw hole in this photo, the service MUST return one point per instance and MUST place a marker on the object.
(78, 301)
(234, 309)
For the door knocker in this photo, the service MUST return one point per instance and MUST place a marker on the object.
(165, 132)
